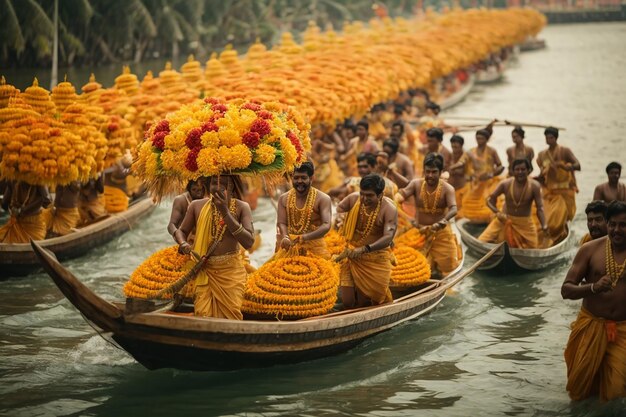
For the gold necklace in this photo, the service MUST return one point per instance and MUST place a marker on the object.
(299, 220)
(425, 197)
(218, 224)
(613, 269)
(512, 193)
(371, 219)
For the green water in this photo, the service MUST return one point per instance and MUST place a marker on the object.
(494, 346)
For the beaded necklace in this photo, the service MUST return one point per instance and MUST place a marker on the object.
(512, 194)
(614, 270)
(218, 225)
(371, 219)
(299, 220)
(425, 197)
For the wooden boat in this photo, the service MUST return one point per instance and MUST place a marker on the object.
(492, 74)
(170, 339)
(19, 258)
(459, 95)
(507, 258)
(532, 44)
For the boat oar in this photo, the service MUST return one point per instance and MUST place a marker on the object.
(511, 123)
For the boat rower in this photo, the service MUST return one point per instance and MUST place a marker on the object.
(596, 222)
(195, 191)
(613, 189)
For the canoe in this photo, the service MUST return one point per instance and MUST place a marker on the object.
(171, 339)
(532, 44)
(19, 258)
(459, 95)
(507, 258)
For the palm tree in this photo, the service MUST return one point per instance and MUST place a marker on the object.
(24, 27)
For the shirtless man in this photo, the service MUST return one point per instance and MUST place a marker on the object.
(222, 224)
(596, 350)
(304, 214)
(366, 164)
(519, 150)
(363, 142)
(195, 191)
(435, 207)
(612, 189)
(24, 203)
(434, 144)
(398, 162)
(519, 194)
(369, 227)
(596, 221)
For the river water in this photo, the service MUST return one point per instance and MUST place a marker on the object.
(494, 346)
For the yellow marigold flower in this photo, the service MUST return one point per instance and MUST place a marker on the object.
(264, 154)
(210, 140)
(289, 151)
(236, 157)
(229, 137)
(209, 161)
(223, 123)
(174, 141)
(168, 160)
(152, 165)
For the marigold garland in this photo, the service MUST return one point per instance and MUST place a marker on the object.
(335, 242)
(291, 288)
(412, 268)
(411, 238)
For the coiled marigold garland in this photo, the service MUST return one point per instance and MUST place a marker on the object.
(292, 288)
(412, 268)
(411, 238)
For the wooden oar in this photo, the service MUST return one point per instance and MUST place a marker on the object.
(511, 123)
(445, 286)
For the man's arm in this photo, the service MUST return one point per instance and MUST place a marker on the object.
(571, 288)
(347, 203)
(539, 205)
(598, 193)
(407, 191)
(281, 215)
(496, 160)
(325, 211)
(574, 164)
(493, 198)
(243, 230)
(188, 224)
(176, 216)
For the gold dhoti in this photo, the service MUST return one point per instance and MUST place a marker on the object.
(596, 358)
(370, 274)
(22, 229)
(518, 232)
(474, 202)
(560, 207)
(60, 221)
(115, 199)
(315, 247)
(444, 253)
(220, 286)
(460, 195)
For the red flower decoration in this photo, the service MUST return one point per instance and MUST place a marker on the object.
(210, 127)
(193, 138)
(251, 106)
(192, 160)
(113, 127)
(211, 100)
(162, 126)
(158, 140)
(55, 131)
(219, 107)
(296, 143)
(251, 139)
(264, 114)
(261, 126)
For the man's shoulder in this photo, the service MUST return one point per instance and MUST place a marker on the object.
(242, 205)
(321, 195)
(593, 246)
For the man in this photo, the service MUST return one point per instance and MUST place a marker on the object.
(369, 228)
(366, 164)
(486, 165)
(63, 217)
(304, 214)
(222, 222)
(596, 222)
(363, 142)
(515, 224)
(557, 164)
(91, 201)
(195, 191)
(612, 189)
(24, 202)
(115, 189)
(519, 150)
(459, 171)
(596, 350)
(435, 207)
(398, 167)
(434, 144)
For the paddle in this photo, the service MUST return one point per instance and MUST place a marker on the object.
(445, 286)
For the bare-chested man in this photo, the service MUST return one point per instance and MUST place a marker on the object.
(459, 170)
(369, 227)
(24, 203)
(435, 207)
(596, 350)
(366, 164)
(596, 221)
(63, 218)
(515, 225)
(434, 144)
(195, 191)
(304, 214)
(397, 162)
(222, 224)
(363, 142)
(612, 189)
(519, 150)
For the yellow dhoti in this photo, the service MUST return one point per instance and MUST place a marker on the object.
(115, 199)
(315, 247)
(219, 287)
(60, 221)
(474, 202)
(460, 195)
(92, 210)
(596, 358)
(444, 253)
(22, 229)
(370, 274)
(518, 232)
(560, 207)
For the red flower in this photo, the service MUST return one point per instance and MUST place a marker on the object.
(55, 131)
(210, 127)
(162, 126)
(261, 126)
(296, 143)
(113, 127)
(264, 114)
(251, 106)
(251, 139)
(158, 140)
(193, 138)
(219, 107)
(192, 160)
(211, 100)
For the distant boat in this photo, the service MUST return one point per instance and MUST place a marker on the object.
(490, 75)
(532, 44)
(459, 95)
(159, 338)
(507, 258)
